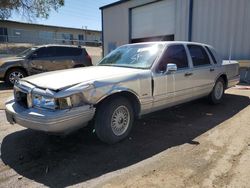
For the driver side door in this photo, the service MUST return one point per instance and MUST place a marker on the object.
(172, 88)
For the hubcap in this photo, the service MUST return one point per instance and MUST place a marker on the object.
(15, 76)
(219, 90)
(120, 120)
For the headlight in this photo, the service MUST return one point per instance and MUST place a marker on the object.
(44, 102)
(71, 101)
(60, 103)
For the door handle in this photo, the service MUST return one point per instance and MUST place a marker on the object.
(188, 74)
(212, 69)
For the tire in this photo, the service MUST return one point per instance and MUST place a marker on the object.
(217, 94)
(114, 120)
(9, 77)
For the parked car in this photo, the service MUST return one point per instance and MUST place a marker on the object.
(131, 81)
(42, 59)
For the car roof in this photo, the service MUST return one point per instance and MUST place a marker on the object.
(58, 45)
(170, 42)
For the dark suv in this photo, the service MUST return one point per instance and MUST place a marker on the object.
(42, 59)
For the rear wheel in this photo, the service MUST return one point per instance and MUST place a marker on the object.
(13, 75)
(217, 94)
(114, 120)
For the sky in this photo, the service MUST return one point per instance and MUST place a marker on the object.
(75, 13)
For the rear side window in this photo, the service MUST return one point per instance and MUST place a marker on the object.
(199, 55)
(174, 54)
(211, 54)
(66, 51)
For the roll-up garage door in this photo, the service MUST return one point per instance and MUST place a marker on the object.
(154, 20)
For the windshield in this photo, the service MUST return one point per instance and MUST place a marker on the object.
(27, 52)
(133, 56)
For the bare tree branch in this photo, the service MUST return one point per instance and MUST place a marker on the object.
(29, 9)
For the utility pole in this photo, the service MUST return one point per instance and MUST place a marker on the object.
(86, 27)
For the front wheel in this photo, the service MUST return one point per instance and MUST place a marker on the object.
(217, 93)
(13, 75)
(114, 120)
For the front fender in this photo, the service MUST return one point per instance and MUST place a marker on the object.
(117, 90)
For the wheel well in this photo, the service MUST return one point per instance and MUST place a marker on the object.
(78, 66)
(128, 95)
(224, 77)
(15, 68)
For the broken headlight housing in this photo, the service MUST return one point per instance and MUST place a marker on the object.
(40, 101)
(74, 100)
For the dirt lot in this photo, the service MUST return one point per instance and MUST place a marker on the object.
(193, 145)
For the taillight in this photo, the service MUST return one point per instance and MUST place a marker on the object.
(89, 58)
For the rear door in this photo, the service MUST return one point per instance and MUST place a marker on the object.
(204, 71)
(64, 58)
(172, 88)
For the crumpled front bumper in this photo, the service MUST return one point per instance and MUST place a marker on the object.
(58, 121)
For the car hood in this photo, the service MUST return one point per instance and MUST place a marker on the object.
(9, 59)
(57, 80)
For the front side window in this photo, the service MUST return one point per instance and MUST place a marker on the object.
(133, 56)
(199, 55)
(45, 52)
(175, 54)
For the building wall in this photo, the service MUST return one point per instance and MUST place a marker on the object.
(224, 24)
(41, 34)
(116, 22)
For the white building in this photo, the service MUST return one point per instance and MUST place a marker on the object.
(224, 24)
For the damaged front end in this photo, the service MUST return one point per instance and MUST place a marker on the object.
(47, 110)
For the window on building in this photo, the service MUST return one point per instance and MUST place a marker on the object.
(174, 54)
(17, 32)
(81, 37)
(3, 34)
(46, 35)
(199, 55)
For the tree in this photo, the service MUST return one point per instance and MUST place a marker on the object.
(29, 8)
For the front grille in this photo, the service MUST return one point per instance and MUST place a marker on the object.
(21, 98)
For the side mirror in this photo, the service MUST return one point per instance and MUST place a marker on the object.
(171, 68)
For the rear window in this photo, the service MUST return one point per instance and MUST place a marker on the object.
(199, 55)
(66, 51)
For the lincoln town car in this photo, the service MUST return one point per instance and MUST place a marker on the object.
(131, 81)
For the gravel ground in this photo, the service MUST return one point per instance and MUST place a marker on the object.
(192, 145)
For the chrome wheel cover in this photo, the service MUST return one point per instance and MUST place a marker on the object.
(15, 76)
(218, 91)
(120, 120)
